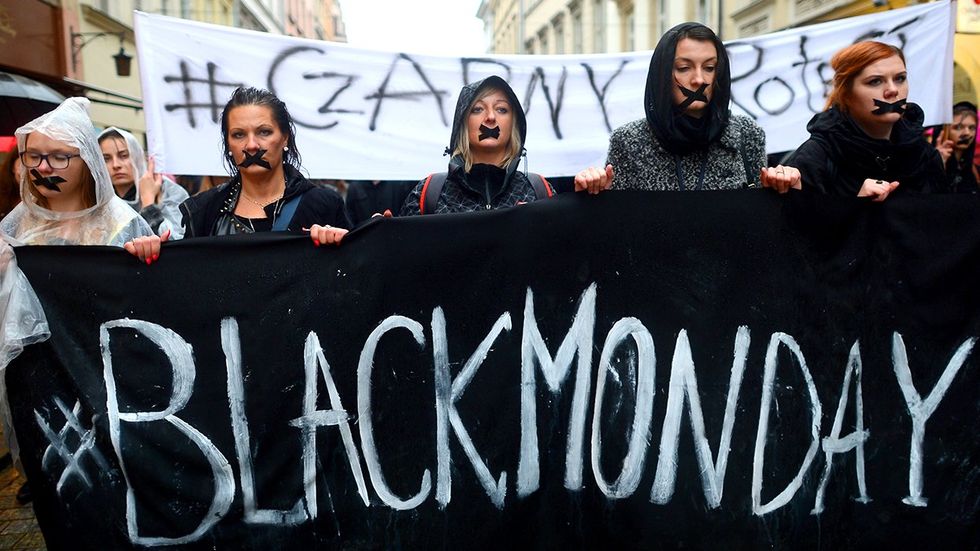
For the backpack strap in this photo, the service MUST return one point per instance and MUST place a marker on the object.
(542, 189)
(286, 214)
(431, 190)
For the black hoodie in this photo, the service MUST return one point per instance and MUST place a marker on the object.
(839, 156)
(485, 187)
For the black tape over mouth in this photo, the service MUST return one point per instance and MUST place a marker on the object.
(486, 133)
(965, 140)
(691, 96)
(50, 182)
(255, 159)
(883, 107)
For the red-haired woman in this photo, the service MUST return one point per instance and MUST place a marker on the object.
(868, 142)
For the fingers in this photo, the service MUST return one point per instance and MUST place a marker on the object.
(593, 180)
(326, 235)
(147, 249)
(780, 178)
(165, 237)
(150, 165)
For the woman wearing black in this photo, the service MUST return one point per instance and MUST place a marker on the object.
(868, 143)
(486, 144)
(689, 139)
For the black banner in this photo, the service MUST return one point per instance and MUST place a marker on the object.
(717, 369)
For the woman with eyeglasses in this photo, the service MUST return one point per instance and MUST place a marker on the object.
(66, 192)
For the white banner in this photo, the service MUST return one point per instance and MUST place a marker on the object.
(365, 114)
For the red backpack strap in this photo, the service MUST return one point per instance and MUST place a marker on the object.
(431, 190)
(542, 189)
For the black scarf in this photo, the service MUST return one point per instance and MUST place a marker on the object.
(678, 133)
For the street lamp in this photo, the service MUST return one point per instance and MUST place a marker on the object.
(122, 59)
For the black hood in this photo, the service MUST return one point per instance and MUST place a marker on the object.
(658, 99)
(897, 158)
(469, 93)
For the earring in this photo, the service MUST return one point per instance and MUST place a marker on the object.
(285, 148)
(229, 154)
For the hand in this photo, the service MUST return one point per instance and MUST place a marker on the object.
(387, 214)
(326, 235)
(593, 180)
(878, 190)
(945, 149)
(150, 185)
(147, 249)
(780, 178)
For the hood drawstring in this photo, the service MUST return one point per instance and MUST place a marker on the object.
(524, 155)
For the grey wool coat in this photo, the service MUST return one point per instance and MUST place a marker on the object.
(732, 162)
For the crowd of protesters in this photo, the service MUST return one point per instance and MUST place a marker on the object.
(67, 185)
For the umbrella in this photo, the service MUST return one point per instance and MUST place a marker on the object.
(22, 100)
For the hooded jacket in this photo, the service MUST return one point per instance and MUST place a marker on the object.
(838, 157)
(213, 212)
(481, 188)
(161, 217)
(109, 221)
(669, 151)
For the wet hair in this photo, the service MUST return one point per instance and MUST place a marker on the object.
(848, 64)
(463, 140)
(257, 96)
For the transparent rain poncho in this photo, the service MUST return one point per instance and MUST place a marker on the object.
(109, 222)
(172, 194)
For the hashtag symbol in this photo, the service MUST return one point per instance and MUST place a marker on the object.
(186, 80)
(70, 445)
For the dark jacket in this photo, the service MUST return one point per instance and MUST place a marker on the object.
(483, 188)
(839, 156)
(212, 212)
(366, 197)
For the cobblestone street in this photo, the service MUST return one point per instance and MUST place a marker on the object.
(18, 527)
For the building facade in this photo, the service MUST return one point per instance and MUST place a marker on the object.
(599, 26)
(75, 46)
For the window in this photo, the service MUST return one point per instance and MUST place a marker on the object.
(543, 41)
(558, 25)
(578, 45)
(599, 18)
(662, 17)
(629, 37)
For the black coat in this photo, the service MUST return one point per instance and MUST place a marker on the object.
(484, 188)
(839, 156)
(209, 213)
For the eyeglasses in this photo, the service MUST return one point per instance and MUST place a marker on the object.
(56, 161)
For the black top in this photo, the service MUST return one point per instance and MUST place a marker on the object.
(212, 212)
(364, 198)
(839, 156)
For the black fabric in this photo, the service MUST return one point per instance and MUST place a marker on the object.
(839, 156)
(961, 174)
(210, 213)
(837, 276)
(667, 124)
(365, 198)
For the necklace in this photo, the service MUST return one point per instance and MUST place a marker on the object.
(262, 205)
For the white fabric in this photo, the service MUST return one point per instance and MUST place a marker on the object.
(188, 71)
(172, 194)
